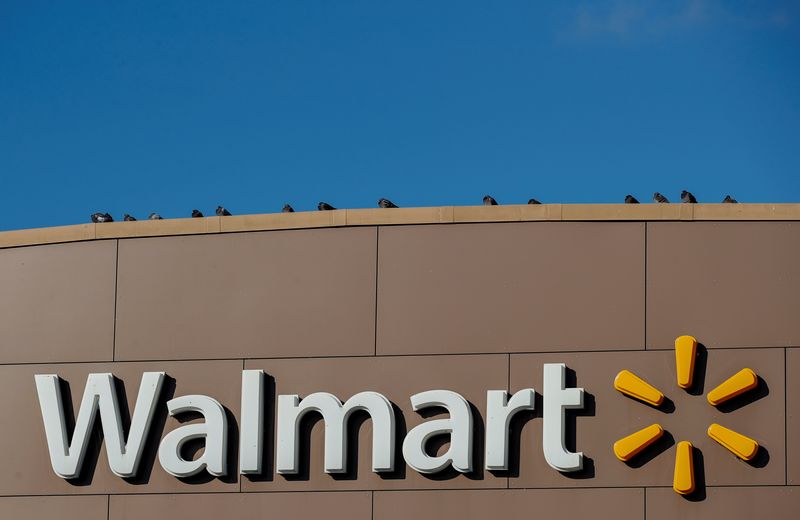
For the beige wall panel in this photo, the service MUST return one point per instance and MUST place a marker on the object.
(793, 415)
(397, 378)
(48, 235)
(57, 302)
(163, 227)
(735, 284)
(271, 506)
(63, 508)
(280, 293)
(538, 286)
(611, 416)
(733, 503)
(26, 461)
(620, 504)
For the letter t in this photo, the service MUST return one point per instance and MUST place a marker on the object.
(556, 400)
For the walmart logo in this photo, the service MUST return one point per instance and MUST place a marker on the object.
(634, 386)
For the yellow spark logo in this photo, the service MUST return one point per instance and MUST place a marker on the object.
(632, 385)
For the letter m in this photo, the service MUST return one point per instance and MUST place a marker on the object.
(335, 414)
(100, 394)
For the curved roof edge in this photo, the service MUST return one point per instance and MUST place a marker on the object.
(399, 216)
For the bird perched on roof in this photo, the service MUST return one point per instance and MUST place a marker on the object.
(154, 216)
(657, 197)
(630, 199)
(533, 201)
(222, 212)
(386, 203)
(688, 198)
(324, 206)
(287, 209)
(128, 218)
(489, 201)
(196, 213)
(101, 217)
(729, 200)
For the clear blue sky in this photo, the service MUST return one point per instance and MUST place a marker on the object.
(168, 106)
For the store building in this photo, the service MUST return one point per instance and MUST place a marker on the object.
(225, 337)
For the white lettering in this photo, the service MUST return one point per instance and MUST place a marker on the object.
(214, 431)
(499, 411)
(291, 410)
(251, 436)
(123, 458)
(458, 426)
(557, 399)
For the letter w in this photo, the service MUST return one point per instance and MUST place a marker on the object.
(66, 458)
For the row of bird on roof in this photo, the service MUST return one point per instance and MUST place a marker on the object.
(488, 200)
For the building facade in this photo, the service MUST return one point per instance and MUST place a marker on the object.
(398, 302)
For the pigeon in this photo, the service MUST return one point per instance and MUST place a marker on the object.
(630, 199)
(128, 218)
(196, 213)
(324, 206)
(101, 217)
(729, 200)
(489, 201)
(287, 209)
(688, 198)
(386, 203)
(657, 197)
(154, 216)
(222, 212)
(533, 201)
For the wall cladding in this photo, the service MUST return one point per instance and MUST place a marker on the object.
(400, 309)
(731, 284)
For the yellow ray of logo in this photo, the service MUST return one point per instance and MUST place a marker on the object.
(683, 481)
(627, 448)
(685, 354)
(630, 384)
(739, 383)
(743, 447)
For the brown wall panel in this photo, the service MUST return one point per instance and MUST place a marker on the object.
(620, 504)
(57, 302)
(773, 503)
(397, 378)
(277, 506)
(498, 300)
(63, 507)
(515, 287)
(735, 284)
(26, 461)
(793, 415)
(610, 416)
(281, 293)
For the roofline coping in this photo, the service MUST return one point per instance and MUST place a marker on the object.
(402, 216)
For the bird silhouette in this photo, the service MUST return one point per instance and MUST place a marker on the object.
(630, 199)
(324, 206)
(386, 203)
(128, 218)
(154, 216)
(287, 209)
(196, 213)
(222, 212)
(489, 201)
(688, 198)
(729, 200)
(101, 217)
(657, 197)
(533, 201)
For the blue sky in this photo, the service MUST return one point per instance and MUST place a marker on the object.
(168, 106)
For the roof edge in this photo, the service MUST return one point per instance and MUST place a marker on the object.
(400, 216)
